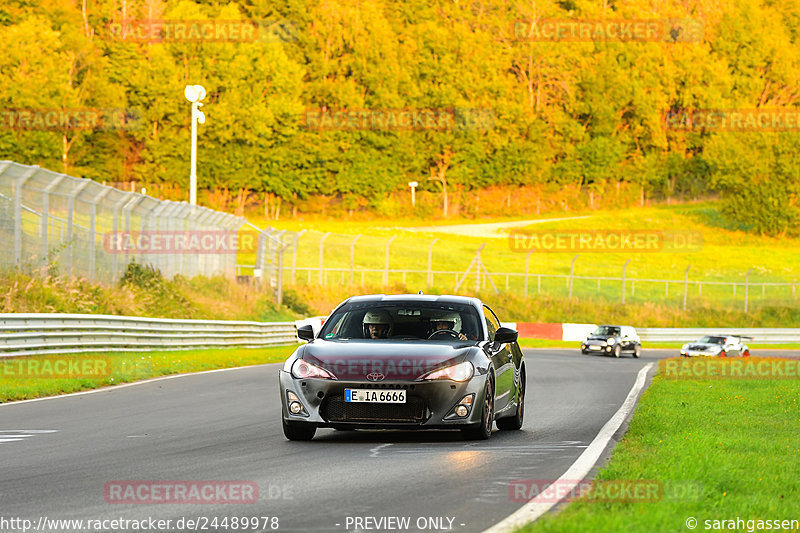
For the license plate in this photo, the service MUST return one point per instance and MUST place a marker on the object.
(375, 395)
(594, 347)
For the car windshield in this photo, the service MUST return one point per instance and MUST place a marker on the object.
(606, 330)
(403, 320)
(711, 340)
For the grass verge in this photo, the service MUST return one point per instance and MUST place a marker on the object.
(721, 449)
(23, 378)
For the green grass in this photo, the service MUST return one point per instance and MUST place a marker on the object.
(546, 343)
(25, 378)
(145, 293)
(733, 442)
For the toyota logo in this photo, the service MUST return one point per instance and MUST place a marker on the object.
(375, 376)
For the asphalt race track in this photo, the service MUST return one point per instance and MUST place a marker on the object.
(58, 455)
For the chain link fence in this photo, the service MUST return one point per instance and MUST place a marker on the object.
(81, 228)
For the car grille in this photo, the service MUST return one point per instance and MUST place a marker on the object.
(335, 409)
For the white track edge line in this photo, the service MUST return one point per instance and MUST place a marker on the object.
(111, 388)
(538, 506)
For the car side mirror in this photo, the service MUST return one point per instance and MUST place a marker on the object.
(505, 335)
(305, 333)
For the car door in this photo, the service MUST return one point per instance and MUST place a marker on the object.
(628, 338)
(503, 364)
(732, 346)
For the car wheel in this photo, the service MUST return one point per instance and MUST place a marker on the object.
(723, 354)
(298, 430)
(617, 350)
(584, 352)
(483, 430)
(515, 422)
(637, 351)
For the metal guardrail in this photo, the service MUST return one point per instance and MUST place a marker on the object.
(760, 335)
(45, 333)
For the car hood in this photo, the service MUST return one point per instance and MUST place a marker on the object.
(368, 360)
(599, 337)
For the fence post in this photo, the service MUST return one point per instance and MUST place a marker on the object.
(45, 216)
(685, 285)
(19, 183)
(70, 222)
(258, 268)
(294, 255)
(352, 257)
(93, 231)
(282, 248)
(321, 241)
(527, 260)
(478, 266)
(430, 263)
(623, 279)
(746, 287)
(386, 267)
(572, 274)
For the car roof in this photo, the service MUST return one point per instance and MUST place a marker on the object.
(436, 298)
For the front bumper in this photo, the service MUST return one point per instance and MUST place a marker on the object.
(695, 353)
(429, 404)
(596, 348)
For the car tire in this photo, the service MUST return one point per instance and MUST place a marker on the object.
(637, 351)
(298, 430)
(515, 422)
(483, 430)
(617, 350)
(584, 352)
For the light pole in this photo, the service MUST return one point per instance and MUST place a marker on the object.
(194, 93)
(413, 185)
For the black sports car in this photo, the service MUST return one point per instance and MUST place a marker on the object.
(405, 362)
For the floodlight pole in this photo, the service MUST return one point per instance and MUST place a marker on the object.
(193, 173)
(194, 93)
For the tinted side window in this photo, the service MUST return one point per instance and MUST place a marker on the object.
(491, 322)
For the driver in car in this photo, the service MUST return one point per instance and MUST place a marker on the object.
(377, 324)
(446, 322)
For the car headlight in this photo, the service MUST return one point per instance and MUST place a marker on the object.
(303, 369)
(460, 372)
(611, 341)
